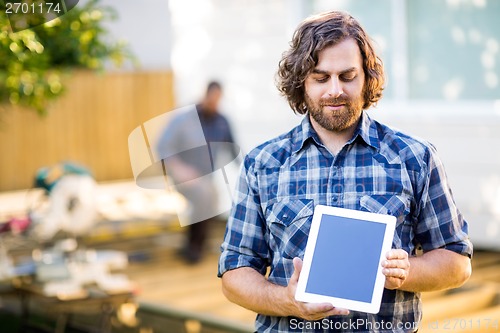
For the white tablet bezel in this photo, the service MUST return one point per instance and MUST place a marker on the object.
(369, 307)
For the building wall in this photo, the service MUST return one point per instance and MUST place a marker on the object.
(146, 27)
(441, 58)
(240, 44)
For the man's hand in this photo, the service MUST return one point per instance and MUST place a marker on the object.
(396, 268)
(308, 311)
(182, 172)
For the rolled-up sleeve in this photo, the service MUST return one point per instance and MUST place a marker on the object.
(245, 242)
(439, 222)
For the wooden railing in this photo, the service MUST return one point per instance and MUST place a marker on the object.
(473, 308)
(156, 317)
(90, 125)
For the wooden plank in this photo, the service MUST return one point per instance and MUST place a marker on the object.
(485, 258)
(487, 273)
(483, 321)
(168, 280)
(90, 124)
(195, 288)
(429, 295)
(459, 303)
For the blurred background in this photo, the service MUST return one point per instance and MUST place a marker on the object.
(76, 87)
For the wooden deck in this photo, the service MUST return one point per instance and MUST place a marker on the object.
(165, 279)
(475, 307)
(186, 287)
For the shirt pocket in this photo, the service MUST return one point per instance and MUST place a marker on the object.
(397, 206)
(289, 222)
(388, 204)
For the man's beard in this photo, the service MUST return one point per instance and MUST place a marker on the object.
(339, 120)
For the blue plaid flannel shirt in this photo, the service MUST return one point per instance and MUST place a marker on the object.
(379, 170)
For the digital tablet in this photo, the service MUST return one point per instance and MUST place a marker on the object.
(343, 256)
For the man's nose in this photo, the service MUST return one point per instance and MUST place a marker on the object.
(335, 87)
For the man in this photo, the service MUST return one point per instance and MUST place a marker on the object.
(190, 169)
(339, 156)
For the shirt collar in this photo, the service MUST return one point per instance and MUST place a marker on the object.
(366, 130)
(304, 133)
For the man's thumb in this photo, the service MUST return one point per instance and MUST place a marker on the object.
(297, 267)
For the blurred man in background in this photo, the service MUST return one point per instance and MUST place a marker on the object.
(190, 170)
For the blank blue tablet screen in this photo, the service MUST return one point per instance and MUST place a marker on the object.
(346, 258)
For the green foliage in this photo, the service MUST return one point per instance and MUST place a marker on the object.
(34, 60)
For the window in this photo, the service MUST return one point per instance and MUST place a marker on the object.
(433, 49)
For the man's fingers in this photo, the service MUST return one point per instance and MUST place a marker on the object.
(395, 273)
(396, 265)
(318, 308)
(315, 311)
(396, 254)
(405, 264)
(337, 311)
(297, 267)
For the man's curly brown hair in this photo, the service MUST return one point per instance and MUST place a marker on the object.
(311, 37)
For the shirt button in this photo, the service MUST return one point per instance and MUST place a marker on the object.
(335, 198)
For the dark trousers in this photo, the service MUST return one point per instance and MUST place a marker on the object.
(197, 234)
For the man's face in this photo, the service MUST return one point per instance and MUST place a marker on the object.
(334, 88)
(212, 99)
